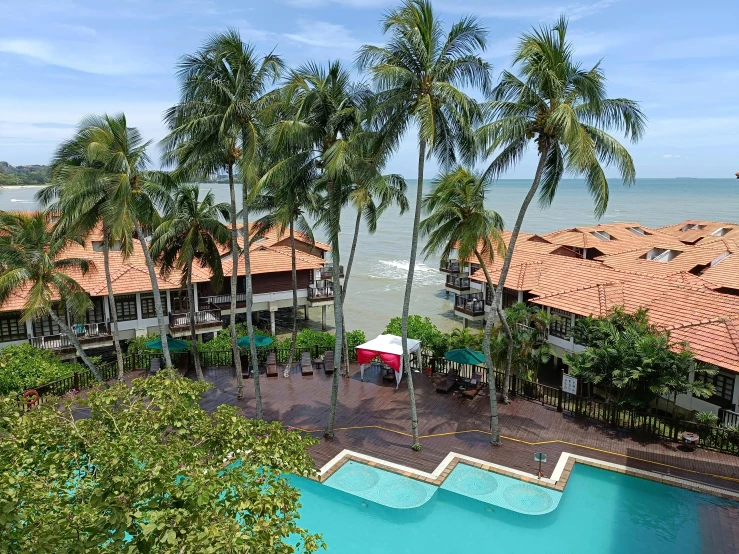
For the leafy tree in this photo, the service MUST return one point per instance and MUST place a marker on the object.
(190, 233)
(458, 220)
(633, 362)
(148, 470)
(564, 109)
(32, 263)
(419, 328)
(419, 75)
(24, 367)
(218, 124)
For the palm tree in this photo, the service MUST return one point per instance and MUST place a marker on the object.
(322, 108)
(77, 196)
(563, 108)
(189, 233)
(458, 220)
(32, 263)
(418, 74)
(218, 125)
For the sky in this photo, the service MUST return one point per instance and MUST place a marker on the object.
(63, 59)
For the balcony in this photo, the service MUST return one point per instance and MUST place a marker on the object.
(450, 266)
(223, 300)
(207, 319)
(90, 335)
(470, 306)
(458, 283)
(320, 293)
(327, 272)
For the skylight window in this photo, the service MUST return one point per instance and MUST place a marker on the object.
(693, 227)
(637, 231)
(720, 258)
(662, 255)
(721, 231)
(602, 235)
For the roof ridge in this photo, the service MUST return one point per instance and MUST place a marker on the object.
(602, 298)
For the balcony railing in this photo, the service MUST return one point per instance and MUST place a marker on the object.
(327, 271)
(321, 290)
(458, 282)
(222, 299)
(470, 304)
(87, 333)
(450, 266)
(208, 314)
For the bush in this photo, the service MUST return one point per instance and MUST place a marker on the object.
(706, 418)
(23, 366)
(419, 328)
(222, 340)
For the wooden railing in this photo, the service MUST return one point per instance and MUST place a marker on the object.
(221, 299)
(450, 266)
(327, 271)
(458, 282)
(728, 417)
(86, 333)
(470, 304)
(207, 314)
(321, 290)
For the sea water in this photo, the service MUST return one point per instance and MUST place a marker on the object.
(600, 512)
(377, 282)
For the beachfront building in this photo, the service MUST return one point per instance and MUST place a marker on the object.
(134, 300)
(689, 284)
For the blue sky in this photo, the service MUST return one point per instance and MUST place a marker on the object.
(62, 59)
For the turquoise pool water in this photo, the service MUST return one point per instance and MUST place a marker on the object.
(600, 512)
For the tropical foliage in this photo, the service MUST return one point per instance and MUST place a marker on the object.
(23, 367)
(149, 471)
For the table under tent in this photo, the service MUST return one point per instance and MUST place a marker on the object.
(389, 348)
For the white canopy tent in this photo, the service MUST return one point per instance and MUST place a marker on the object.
(389, 348)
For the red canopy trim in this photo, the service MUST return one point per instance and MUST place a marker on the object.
(364, 356)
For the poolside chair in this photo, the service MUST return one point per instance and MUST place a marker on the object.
(476, 386)
(447, 384)
(155, 365)
(245, 366)
(306, 366)
(328, 362)
(271, 365)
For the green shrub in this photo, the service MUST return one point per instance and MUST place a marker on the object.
(23, 366)
(222, 340)
(419, 328)
(706, 418)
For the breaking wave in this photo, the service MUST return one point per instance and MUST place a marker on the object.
(398, 270)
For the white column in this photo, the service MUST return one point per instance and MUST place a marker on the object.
(139, 313)
(272, 322)
(29, 327)
(520, 296)
(735, 398)
(572, 326)
(195, 295)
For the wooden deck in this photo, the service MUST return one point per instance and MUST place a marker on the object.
(373, 418)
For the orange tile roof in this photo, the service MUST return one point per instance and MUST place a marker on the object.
(704, 230)
(715, 342)
(274, 259)
(621, 239)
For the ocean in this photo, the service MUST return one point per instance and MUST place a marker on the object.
(377, 281)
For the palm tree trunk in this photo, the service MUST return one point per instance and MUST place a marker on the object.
(193, 334)
(494, 428)
(507, 264)
(348, 271)
(294, 276)
(157, 296)
(408, 291)
(234, 280)
(111, 303)
(76, 343)
(249, 300)
(335, 207)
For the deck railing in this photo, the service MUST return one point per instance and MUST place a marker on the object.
(449, 266)
(327, 271)
(728, 417)
(207, 314)
(470, 304)
(458, 282)
(653, 426)
(321, 290)
(86, 333)
(222, 299)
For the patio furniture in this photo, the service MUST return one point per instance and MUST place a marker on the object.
(271, 365)
(447, 384)
(690, 440)
(245, 366)
(183, 364)
(328, 362)
(155, 365)
(306, 366)
(474, 387)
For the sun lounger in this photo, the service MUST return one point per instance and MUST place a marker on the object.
(447, 384)
(475, 386)
(328, 362)
(271, 365)
(306, 366)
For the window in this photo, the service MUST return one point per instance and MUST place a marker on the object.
(96, 314)
(147, 304)
(125, 307)
(724, 388)
(11, 328)
(602, 235)
(692, 227)
(561, 324)
(45, 326)
(662, 255)
(510, 297)
(638, 231)
(721, 231)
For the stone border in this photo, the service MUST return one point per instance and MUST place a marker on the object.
(558, 480)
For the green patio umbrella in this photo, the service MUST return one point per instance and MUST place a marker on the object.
(259, 340)
(465, 356)
(174, 344)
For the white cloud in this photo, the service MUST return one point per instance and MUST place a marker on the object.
(321, 35)
(668, 156)
(97, 58)
(521, 10)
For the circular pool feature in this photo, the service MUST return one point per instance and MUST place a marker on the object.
(528, 499)
(407, 494)
(476, 484)
(358, 478)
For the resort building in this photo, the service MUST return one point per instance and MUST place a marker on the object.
(689, 284)
(134, 300)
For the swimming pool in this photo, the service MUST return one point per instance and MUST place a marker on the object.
(600, 512)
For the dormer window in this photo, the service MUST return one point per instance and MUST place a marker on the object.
(97, 246)
(692, 227)
(602, 235)
(638, 231)
(720, 258)
(663, 255)
(721, 231)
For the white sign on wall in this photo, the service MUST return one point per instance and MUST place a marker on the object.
(569, 384)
